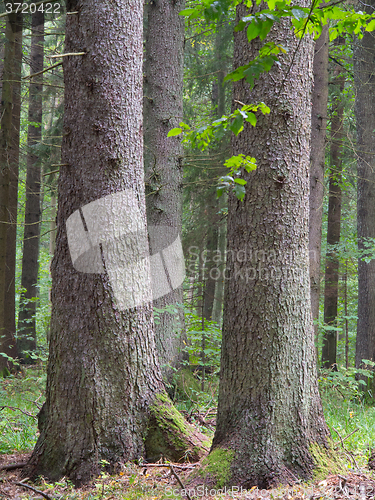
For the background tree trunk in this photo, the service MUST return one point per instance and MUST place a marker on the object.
(163, 162)
(318, 143)
(104, 384)
(331, 289)
(364, 70)
(7, 340)
(14, 155)
(30, 258)
(269, 410)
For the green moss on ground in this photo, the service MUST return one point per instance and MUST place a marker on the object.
(218, 464)
(215, 470)
(327, 461)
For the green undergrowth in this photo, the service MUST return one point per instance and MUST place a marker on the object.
(349, 416)
(21, 397)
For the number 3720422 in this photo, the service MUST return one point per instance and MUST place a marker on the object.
(30, 8)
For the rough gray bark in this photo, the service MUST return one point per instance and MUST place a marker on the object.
(331, 288)
(26, 341)
(364, 70)
(104, 384)
(7, 339)
(163, 161)
(14, 156)
(269, 410)
(318, 142)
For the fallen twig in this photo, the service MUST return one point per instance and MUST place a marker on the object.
(179, 481)
(19, 409)
(13, 466)
(35, 490)
(183, 467)
(347, 452)
(346, 437)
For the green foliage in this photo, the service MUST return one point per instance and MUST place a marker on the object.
(345, 382)
(21, 398)
(203, 136)
(212, 340)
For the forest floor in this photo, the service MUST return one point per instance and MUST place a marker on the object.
(158, 483)
(350, 419)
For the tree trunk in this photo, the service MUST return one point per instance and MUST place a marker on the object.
(7, 341)
(30, 258)
(104, 384)
(364, 68)
(163, 166)
(209, 271)
(331, 288)
(318, 142)
(217, 307)
(14, 155)
(219, 155)
(269, 411)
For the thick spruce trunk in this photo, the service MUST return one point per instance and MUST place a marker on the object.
(14, 156)
(26, 341)
(331, 288)
(318, 143)
(269, 411)
(8, 346)
(164, 58)
(364, 69)
(105, 397)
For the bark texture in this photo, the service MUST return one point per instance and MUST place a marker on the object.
(163, 161)
(7, 340)
(331, 289)
(317, 165)
(14, 156)
(364, 77)
(269, 409)
(103, 378)
(26, 341)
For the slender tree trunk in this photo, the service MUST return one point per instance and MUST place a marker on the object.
(364, 71)
(331, 288)
(318, 142)
(209, 273)
(163, 163)
(269, 412)
(213, 218)
(217, 307)
(30, 257)
(52, 226)
(7, 342)
(105, 397)
(14, 155)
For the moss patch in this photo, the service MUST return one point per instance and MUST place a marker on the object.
(215, 471)
(169, 435)
(327, 461)
(218, 464)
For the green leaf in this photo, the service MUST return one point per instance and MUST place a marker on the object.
(371, 25)
(299, 14)
(237, 125)
(174, 131)
(186, 12)
(253, 30)
(239, 191)
(252, 119)
(220, 190)
(240, 181)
